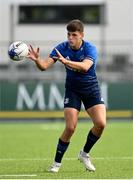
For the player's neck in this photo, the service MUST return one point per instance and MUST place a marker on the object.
(77, 46)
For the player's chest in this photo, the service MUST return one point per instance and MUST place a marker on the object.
(75, 56)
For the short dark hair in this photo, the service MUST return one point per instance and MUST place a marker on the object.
(75, 25)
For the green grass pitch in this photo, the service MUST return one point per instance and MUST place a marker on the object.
(28, 149)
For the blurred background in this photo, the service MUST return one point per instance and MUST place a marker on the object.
(26, 92)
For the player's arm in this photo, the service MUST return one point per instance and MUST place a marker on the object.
(42, 64)
(83, 66)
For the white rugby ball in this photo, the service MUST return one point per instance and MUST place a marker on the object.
(18, 50)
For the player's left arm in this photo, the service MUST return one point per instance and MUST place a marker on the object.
(83, 66)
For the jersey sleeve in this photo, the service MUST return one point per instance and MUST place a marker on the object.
(54, 53)
(91, 53)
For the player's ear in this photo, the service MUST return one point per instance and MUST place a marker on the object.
(82, 34)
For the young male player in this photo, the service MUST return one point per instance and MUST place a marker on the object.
(79, 58)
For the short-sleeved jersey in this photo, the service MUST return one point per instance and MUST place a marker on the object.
(74, 78)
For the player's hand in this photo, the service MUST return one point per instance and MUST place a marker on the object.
(59, 57)
(33, 53)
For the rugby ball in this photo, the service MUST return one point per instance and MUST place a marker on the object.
(18, 50)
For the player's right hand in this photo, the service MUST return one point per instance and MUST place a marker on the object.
(33, 53)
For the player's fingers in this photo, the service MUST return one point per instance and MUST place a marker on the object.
(58, 52)
(31, 48)
(29, 51)
(38, 49)
(29, 55)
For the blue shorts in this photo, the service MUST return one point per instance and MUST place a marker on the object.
(89, 98)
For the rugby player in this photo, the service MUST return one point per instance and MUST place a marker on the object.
(79, 58)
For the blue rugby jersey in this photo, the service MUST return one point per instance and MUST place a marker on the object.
(75, 79)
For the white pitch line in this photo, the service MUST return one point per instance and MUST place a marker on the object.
(18, 175)
(67, 159)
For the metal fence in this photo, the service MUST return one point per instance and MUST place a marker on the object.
(115, 63)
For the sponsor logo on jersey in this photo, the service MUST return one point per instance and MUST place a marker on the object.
(67, 58)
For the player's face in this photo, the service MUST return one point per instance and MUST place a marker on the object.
(75, 39)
